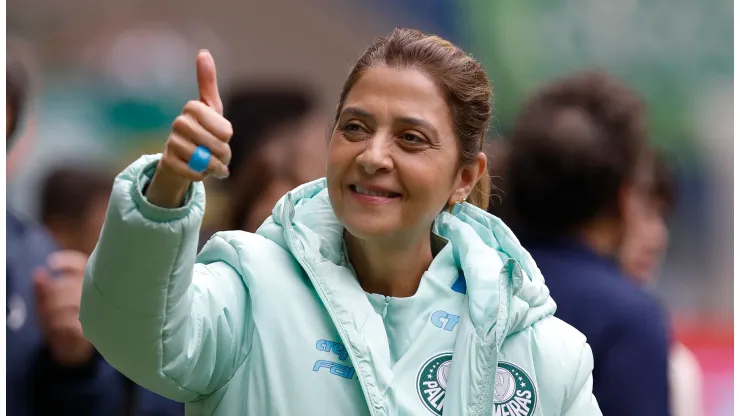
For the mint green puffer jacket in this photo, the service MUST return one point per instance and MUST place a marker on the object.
(275, 323)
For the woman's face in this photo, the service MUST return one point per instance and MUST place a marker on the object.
(645, 239)
(393, 158)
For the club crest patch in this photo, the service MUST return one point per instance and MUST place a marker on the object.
(514, 393)
(431, 382)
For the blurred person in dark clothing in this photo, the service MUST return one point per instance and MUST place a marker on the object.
(51, 368)
(279, 142)
(579, 163)
(646, 229)
(73, 203)
(641, 254)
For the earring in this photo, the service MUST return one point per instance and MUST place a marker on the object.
(455, 205)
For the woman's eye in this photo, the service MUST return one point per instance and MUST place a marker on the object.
(351, 127)
(353, 131)
(412, 138)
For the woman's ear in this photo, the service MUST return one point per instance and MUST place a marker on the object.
(468, 176)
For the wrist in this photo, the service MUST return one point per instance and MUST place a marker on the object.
(166, 190)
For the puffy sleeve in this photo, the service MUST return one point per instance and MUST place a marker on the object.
(178, 328)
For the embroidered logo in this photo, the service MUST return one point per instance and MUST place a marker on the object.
(431, 382)
(514, 393)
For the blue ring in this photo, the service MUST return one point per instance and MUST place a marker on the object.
(199, 160)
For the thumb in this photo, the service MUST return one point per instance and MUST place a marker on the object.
(207, 84)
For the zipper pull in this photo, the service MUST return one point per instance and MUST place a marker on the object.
(385, 308)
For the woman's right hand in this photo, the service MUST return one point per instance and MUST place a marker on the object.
(201, 124)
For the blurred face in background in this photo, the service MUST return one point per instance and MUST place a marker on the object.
(262, 208)
(82, 232)
(292, 154)
(645, 237)
(93, 223)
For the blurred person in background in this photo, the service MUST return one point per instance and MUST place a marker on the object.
(579, 162)
(73, 202)
(279, 143)
(51, 368)
(645, 242)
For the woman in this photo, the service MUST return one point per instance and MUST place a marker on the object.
(376, 290)
(645, 242)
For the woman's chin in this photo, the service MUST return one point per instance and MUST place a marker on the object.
(369, 228)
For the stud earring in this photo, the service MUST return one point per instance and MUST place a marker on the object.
(455, 206)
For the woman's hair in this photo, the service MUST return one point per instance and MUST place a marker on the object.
(575, 144)
(458, 75)
(497, 152)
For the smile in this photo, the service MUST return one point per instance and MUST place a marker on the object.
(372, 195)
(363, 191)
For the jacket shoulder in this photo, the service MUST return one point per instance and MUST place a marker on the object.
(251, 255)
(560, 355)
(558, 344)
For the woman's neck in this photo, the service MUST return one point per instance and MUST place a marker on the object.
(389, 269)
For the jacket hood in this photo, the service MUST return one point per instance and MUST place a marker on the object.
(505, 289)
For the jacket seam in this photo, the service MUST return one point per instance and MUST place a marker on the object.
(232, 347)
(165, 317)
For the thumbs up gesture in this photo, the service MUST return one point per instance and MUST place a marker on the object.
(201, 124)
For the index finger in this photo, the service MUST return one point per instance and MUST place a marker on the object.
(207, 83)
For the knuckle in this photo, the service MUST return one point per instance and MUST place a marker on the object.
(220, 149)
(191, 106)
(180, 122)
(170, 142)
(168, 159)
(227, 153)
(228, 130)
(176, 144)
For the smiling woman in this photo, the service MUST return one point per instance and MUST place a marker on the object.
(362, 293)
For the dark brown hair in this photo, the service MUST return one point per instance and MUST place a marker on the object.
(68, 192)
(576, 143)
(255, 110)
(458, 75)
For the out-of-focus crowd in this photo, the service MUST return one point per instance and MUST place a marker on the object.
(576, 178)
